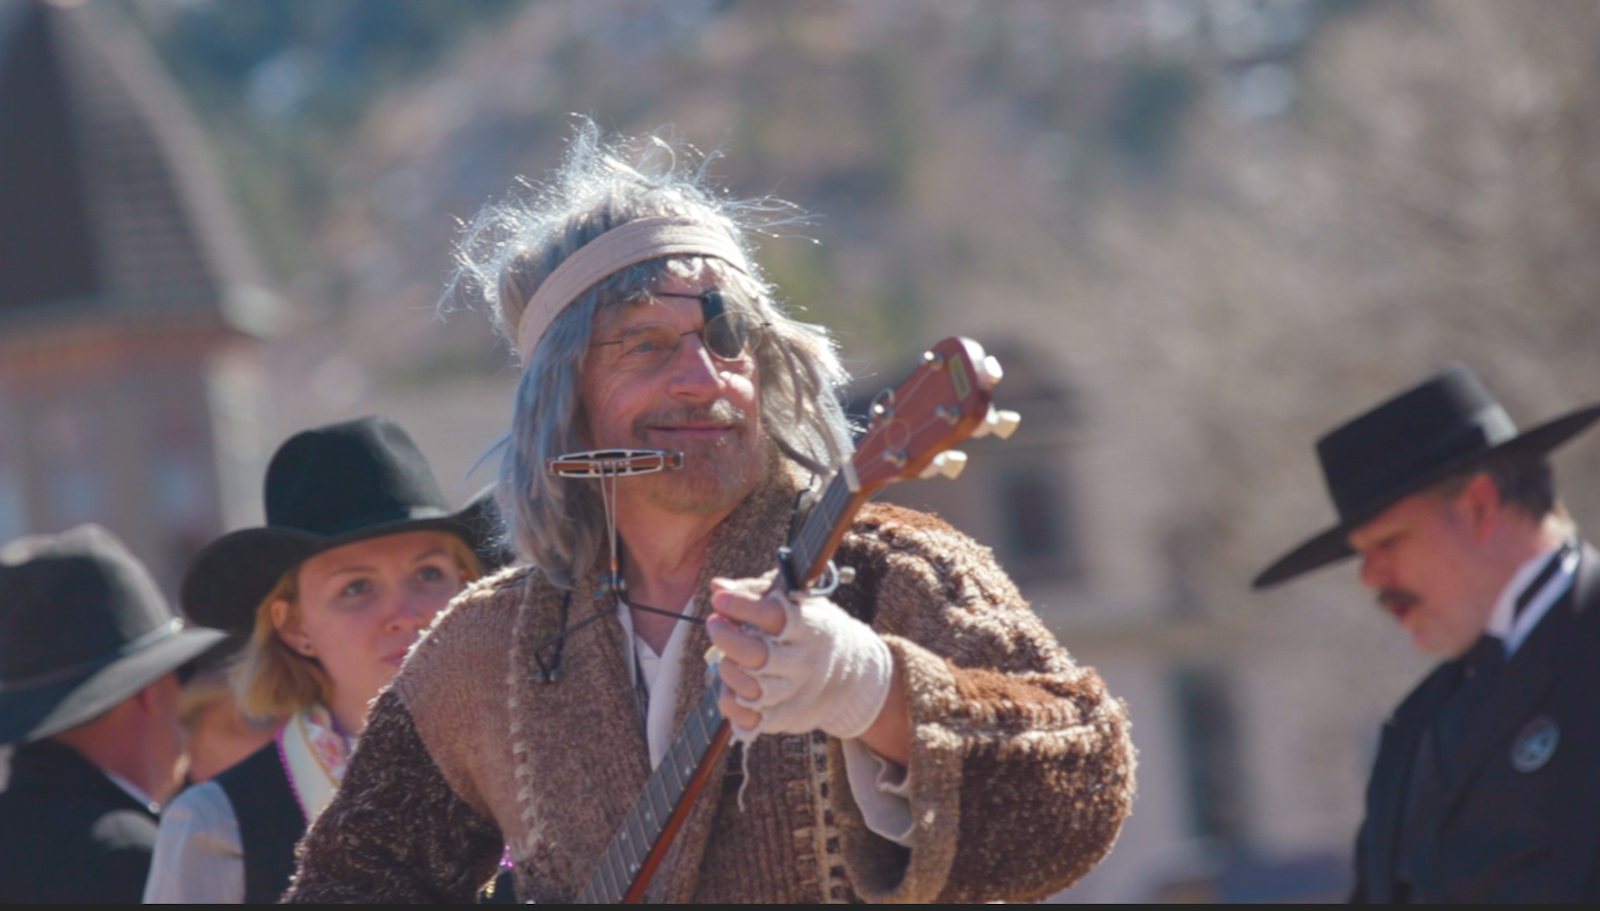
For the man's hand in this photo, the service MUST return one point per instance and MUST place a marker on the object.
(737, 606)
(790, 668)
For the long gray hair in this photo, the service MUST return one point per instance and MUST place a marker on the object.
(512, 246)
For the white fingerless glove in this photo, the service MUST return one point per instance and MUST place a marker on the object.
(826, 671)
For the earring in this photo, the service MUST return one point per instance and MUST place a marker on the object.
(306, 648)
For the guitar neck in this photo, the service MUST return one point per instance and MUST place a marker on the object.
(638, 849)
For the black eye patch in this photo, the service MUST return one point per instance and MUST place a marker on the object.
(711, 306)
(725, 334)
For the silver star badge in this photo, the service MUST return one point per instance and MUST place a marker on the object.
(1535, 744)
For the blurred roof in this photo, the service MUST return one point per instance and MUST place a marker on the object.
(110, 207)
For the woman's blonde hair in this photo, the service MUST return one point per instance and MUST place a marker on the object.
(271, 679)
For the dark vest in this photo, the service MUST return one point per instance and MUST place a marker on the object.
(270, 822)
(1516, 815)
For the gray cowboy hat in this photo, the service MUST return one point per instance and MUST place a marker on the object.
(82, 628)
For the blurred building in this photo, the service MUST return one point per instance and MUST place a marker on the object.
(130, 302)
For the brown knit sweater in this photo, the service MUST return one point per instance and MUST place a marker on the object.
(1021, 766)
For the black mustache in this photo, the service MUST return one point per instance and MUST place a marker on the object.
(1397, 599)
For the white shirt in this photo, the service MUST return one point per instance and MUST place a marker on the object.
(134, 791)
(199, 857)
(882, 789)
(1505, 623)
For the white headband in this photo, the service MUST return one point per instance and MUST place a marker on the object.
(610, 253)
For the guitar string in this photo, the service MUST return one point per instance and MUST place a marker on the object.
(819, 524)
(628, 855)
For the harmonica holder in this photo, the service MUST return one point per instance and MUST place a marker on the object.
(606, 466)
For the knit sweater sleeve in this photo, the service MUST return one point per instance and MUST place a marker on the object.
(396, 831)
(1022, 769)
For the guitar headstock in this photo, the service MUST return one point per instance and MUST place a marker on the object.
(948, 399)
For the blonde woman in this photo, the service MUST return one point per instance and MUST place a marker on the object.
(359, 553)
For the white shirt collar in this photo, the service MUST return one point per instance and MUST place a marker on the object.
(661, 673)
(1512, 628)
(134, 791)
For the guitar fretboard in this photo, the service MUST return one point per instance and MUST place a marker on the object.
(649, 816)
(810, 547)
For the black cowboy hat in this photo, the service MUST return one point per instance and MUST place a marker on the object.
(82, 628)
(1444, 426)
(327, 487)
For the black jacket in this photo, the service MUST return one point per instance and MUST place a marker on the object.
(67, 834)
(1499, 833)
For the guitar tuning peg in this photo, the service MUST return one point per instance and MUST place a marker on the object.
(955, 462)
(1004, 423)
(949, 463)
(991, 369)
(1000, 423)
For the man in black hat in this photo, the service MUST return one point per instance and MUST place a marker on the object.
(89, 694)
(1484, 786)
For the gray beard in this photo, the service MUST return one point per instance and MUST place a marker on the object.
(714, 478)
(715, 475)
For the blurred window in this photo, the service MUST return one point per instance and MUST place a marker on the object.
(181, 497)
(13, 478)
(1034, 525)
(13, 505)
(74, 464)
(181, 475)
(13, 511)
(1211, 756)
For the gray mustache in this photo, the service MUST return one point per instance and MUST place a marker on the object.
(721, 411)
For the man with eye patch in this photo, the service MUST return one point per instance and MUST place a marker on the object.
(1483, 788)
(916, 735)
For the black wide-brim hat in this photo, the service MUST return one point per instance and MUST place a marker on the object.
(325, 488)
(83, 627)
(1442, 427)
